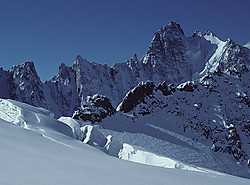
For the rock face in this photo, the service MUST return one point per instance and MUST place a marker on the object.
(28, 87)
(166, 89)
(62, 92)
(171, 58)
(95, 109)
(5, 85)
(166, 58)
(136, 96)
(22, 83)
(234, 59)
(187, 86)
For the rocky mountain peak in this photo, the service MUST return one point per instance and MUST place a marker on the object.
(170, 32)
(62, 66)
(64, 71)
(26, 85)
(78, 57)
(230, 42)
(2, 71)
(209, 33)
(25, 71)
(197, 33)
(27, 67)
(235, 59)
(167, 55)
(80, 62)
(164, 40)
(174, 28)
(134, 58)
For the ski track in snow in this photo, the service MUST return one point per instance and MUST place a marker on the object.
(50, 138)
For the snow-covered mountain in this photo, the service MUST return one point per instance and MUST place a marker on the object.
(193, 123)
(214, 111)
(22, 83)
(186, 102)
(171, 57)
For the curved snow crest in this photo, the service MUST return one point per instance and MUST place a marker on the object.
(90, 134)
(132, 153)
(74, 125)
(30, 117)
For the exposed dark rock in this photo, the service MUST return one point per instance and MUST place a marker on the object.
(231, 144)
(26, 85)
(200, 103)
(187, 86)
(166, 89)
(102, 101)
(136, 95)
(95, 109)
(5, 83)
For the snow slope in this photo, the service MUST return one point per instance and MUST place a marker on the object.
(45, 152)
(92, 135)
(150, 136)
(247, 45)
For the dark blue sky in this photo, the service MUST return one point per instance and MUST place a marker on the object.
(105, 31)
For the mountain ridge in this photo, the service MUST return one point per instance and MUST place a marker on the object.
(172, 57)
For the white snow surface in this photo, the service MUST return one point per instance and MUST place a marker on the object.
(213, 62)
(38, 149)
(247, 45)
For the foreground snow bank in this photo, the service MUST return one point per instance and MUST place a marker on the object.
(29, 158)
(42, 154)
(30, 117)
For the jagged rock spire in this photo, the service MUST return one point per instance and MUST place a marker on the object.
(134, 58)
(210, 33)
(197, 33)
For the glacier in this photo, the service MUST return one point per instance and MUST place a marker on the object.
(35, 151)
